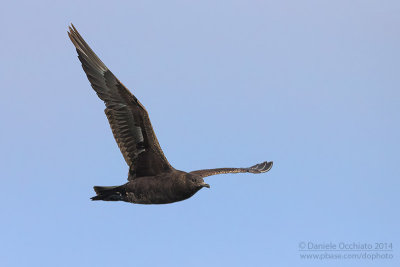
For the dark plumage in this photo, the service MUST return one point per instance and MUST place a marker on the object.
(151, 179)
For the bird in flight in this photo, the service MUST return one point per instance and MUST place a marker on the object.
(151, 179)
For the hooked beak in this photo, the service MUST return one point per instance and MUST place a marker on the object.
(206, 185)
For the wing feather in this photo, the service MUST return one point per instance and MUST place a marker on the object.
(258, 168)
(129, 120)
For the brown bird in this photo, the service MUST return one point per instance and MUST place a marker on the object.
(151, 179)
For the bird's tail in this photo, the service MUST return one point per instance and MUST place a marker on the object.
(107, 193)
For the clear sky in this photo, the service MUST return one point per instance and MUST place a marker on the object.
(311, 85)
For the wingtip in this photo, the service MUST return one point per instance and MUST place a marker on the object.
(262, 167)
(269, 165)
(70, 32)
(71, 28)
(266, 166)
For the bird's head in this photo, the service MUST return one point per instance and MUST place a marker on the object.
(195, 181)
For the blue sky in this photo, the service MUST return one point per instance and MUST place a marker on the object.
(311, 85)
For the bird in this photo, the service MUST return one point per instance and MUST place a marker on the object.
(151, 178)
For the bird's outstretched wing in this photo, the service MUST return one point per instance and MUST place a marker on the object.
(258, 168)
(128, 118)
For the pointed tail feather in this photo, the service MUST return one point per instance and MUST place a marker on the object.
(107, 193)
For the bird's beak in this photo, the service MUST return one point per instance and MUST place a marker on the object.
(206, 185)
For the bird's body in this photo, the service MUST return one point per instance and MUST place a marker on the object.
(167, 187)
(151, 179)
